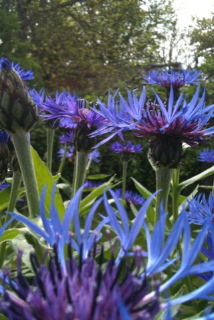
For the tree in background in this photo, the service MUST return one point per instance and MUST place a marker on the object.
(85, 46)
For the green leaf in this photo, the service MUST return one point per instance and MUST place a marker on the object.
(198, 177)
(97, 176)
(9, 234)
(4, 198)
(44, 177)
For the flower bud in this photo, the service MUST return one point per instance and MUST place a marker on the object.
(17, 109)
(165, 151)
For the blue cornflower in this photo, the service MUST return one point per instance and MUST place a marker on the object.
(158, 254)
(88, 290)
(172, 125)
(55, 232)
(67, 138)
(38, 97)
(3, 137)
(125, 148)
(131, 197)
(94, 156)
(176, 79)
(206, 156)
(200, 209)
(25, 75)
(70, 153)
(119, 115)
(4, 186)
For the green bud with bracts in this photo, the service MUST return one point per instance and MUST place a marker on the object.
(17, 109)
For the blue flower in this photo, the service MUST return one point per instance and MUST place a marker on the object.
(4, 186)
(94, 156)
(38, 97)
(126, 148)
(172, 78)
(88, 290)
(170, 126)
(131, 197)
(119, 115)
(206, 156)
(25, 75)
(3, 137)
(70, 153)
(200, 209)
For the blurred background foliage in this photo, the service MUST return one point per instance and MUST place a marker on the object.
(93, 46)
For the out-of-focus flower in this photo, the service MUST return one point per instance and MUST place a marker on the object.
(172, 125)
(127, 148)
(67, 138)
(131, 197)
(4, 154)
(25, 75)
(72, 113)
(17, 109)
(70, 153)
(38, 97)
(88, 291)
(206, 156)
(119, 115)
(4, 186)
(94, 156)
(175, 79)
(200, 209)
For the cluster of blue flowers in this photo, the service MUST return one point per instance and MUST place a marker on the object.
(109, 264)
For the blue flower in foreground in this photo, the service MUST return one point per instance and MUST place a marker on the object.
(131, 197)
(89, 290)
(55, 232)
(200, 209)
(128, 148)
(158, 255)
(25, 75)
(172, 78)
(206, 156)
(119, 115)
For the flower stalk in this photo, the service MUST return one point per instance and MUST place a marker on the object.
(163, 180)
(21, 142)
(50, 142)
(81, 161)
(125, 166)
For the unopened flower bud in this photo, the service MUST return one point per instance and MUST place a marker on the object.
(17, 109)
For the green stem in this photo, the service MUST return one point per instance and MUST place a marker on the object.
(163, 179)
(21, 142)
(62, 162)
(81, 161)
(17, 178)
(175, 193)
(50, 142)
(125, 166)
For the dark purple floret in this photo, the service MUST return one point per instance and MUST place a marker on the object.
(89, 291)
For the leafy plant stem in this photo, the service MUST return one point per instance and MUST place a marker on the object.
(21, 142)
(62, 162)
(50, 141)
(81, 161)
(175, 193)
(163, 179)
(17, 178)
(125, 166)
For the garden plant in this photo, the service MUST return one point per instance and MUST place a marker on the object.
(93, 250)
